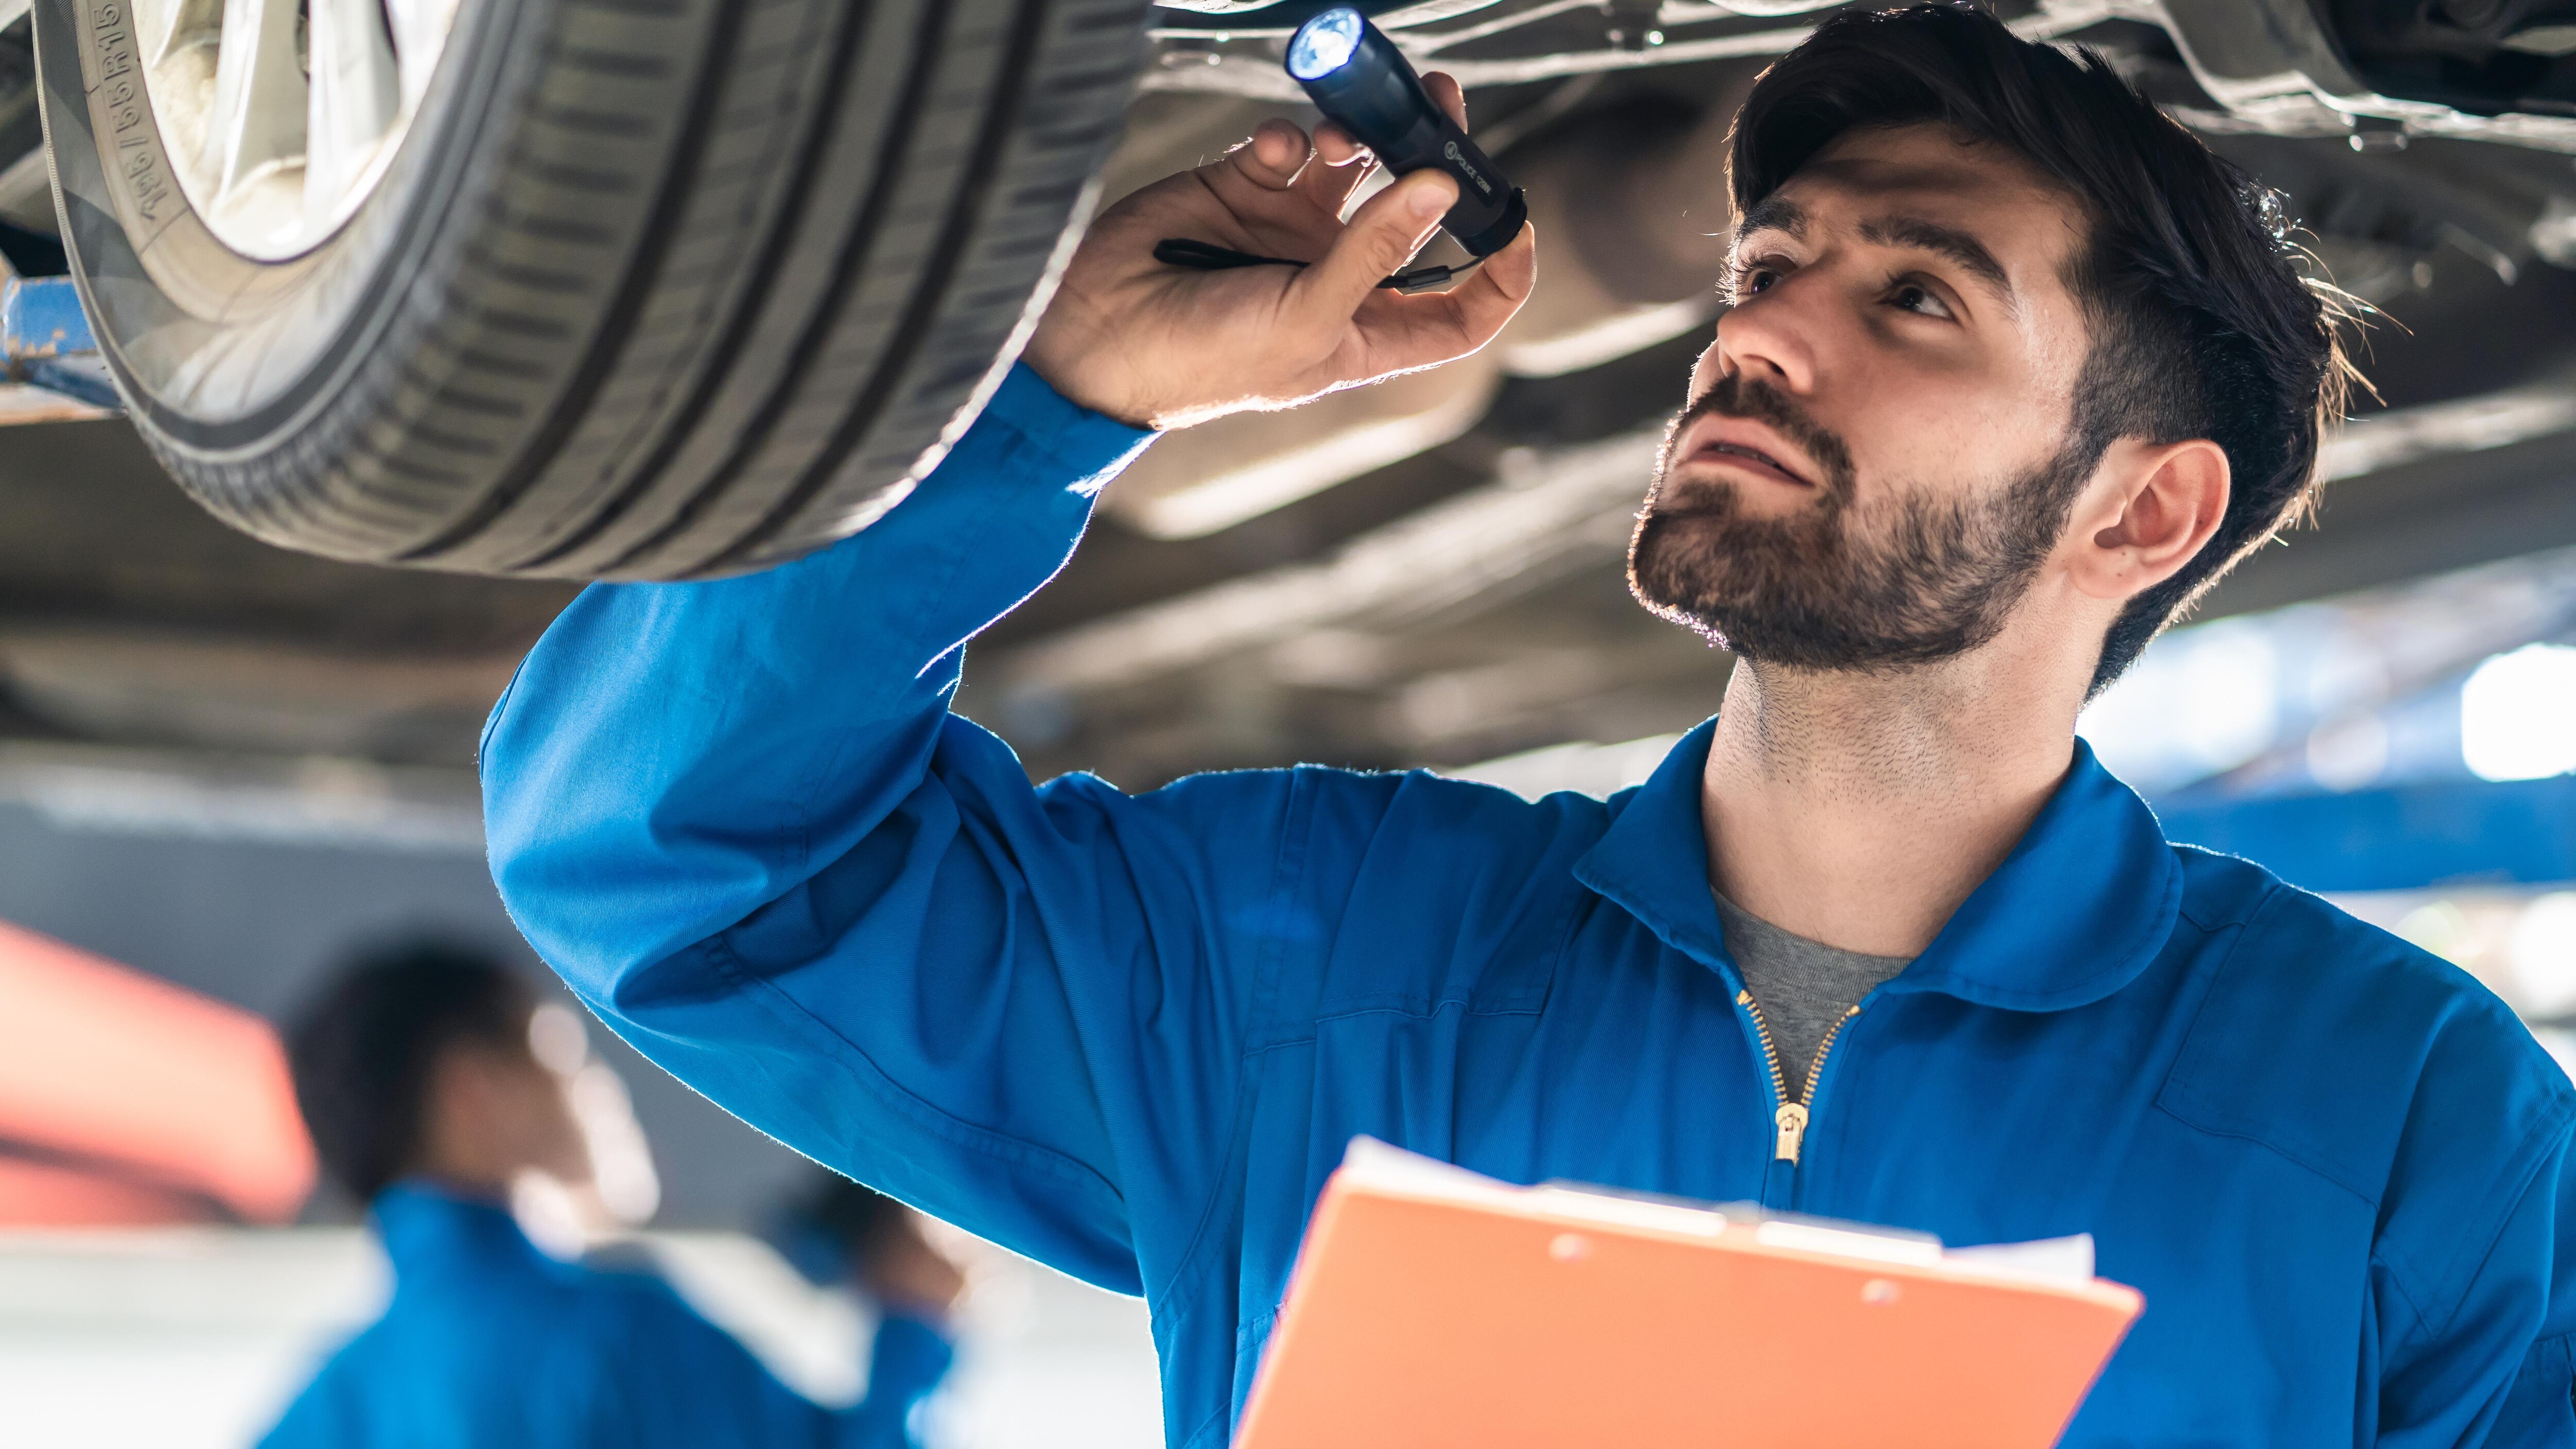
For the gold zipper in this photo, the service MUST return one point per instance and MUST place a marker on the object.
(1791, 1118)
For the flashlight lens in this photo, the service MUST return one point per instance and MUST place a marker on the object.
(1324, 44)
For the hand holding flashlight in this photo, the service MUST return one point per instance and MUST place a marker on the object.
(1164, 346)
(1364, 85)
(1357, 77)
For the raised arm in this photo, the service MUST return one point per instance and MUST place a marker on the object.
(662, 1377)
(738, 819)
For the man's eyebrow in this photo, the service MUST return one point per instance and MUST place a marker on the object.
(1773, 213)
(1947, 241)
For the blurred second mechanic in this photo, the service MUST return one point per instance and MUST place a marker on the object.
(428, 1099)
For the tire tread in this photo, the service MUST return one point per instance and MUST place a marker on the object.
(714, 279)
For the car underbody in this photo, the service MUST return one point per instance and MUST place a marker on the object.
(1428, 572)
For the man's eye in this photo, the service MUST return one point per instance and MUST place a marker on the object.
(1753, 277)
(1917, 298)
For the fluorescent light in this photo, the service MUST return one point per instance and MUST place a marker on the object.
(2468, 425)
(1571, 509)
(2518, 714)
(1215, 504)
(2541, 953)
(1613, 337)
(1585, 768)
(2203, 700)
(2348, 754)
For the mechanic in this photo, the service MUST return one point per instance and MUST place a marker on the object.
(426, 1098)
(2016, 367)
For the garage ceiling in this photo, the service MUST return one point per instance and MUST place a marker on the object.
(1453, 596)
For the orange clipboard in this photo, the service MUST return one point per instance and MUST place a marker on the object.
(1434, 1307)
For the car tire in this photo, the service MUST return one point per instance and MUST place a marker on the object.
(650, 289)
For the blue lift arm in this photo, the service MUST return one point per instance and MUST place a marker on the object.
(50, 367)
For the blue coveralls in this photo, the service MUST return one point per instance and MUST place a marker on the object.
(1130, 1035)
(490, 1344)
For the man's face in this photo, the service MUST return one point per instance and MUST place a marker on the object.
(1874, 464)
(506, 1112)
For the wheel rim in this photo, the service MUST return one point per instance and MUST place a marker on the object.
(280, 115)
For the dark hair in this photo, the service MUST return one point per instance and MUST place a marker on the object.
(363, 1048)
(853, 1212)
(2203, 324)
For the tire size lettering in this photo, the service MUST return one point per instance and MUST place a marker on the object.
(122, 108)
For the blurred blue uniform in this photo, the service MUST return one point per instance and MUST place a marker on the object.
(491, 1344)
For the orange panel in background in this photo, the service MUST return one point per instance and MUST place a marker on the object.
(41, 1194)
(159, 1087)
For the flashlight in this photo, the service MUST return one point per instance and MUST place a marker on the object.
(1357, 78)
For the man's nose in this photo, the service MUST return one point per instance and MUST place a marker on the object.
(1767, 337)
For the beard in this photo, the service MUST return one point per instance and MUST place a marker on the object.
(1928, 574)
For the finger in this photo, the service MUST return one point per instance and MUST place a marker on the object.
(1336, 170)
(1337, 146)
(1383, 234)
(1516, 265)
(1444, 88)
(1270, 160)
(1491, 297)
(1398, 334)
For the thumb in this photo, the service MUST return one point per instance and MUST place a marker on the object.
(1382, 236)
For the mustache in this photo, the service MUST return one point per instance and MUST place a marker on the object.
(1736, 396)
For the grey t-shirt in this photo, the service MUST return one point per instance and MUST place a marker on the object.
(1802, 986)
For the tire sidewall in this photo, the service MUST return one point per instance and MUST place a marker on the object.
(220, 355)
(560, 321)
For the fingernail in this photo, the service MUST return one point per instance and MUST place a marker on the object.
(1429, 201)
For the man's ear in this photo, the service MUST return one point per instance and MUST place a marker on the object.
(2152, 509)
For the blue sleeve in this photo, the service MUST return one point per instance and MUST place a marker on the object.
(2473, 1284)
(908, 1361)
(317, 1418)
(739, 820)
(2537, 1409)
(680, 1381)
